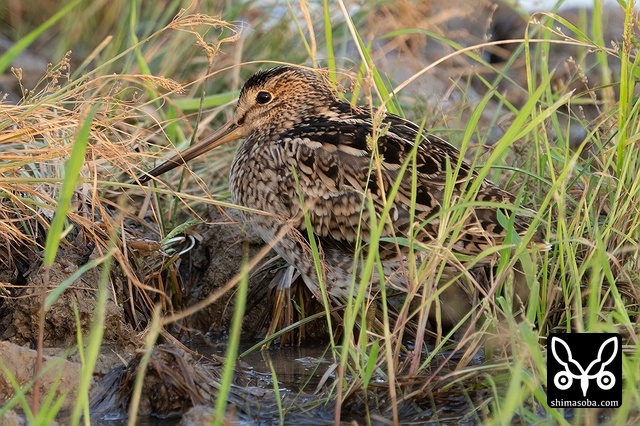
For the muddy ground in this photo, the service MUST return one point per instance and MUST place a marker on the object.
(217, 257)
(211, 264)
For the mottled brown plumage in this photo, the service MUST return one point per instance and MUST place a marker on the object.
(306, 151)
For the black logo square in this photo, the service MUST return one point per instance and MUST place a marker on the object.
(584, 370)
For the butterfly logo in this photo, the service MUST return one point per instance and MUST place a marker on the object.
(564, 379)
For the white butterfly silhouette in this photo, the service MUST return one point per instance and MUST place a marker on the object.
(564, 379)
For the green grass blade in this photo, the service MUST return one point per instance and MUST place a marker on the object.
(94, 342)
(328, 33)
(211, 101)
(60, 288)
(72, 171)
(149, 342)
(19, 394)
(276, 388)
(133, 21)
(232, 349)
(370, 365)
(21, 45)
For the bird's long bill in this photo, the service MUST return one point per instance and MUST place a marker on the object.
(227, 133)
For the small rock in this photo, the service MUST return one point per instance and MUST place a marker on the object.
(62, 375)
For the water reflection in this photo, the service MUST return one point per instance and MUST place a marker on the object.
(297, 369)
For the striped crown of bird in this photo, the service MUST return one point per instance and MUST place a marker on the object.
(307, 152)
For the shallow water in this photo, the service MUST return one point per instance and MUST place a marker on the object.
(296, 369)
(297, 383)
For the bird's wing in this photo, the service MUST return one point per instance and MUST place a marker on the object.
(335, 168)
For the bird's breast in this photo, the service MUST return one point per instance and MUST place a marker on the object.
(261, 178)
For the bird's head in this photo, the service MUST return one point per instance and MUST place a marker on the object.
(270, 100)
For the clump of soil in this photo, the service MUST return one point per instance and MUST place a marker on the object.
(174, 381)
(225, 246)
(220, 254)
(57, 373)
(22, 311)
(23, 307)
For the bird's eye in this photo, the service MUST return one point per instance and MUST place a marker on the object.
(263, 97)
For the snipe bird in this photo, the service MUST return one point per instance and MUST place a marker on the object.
(307, 152)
